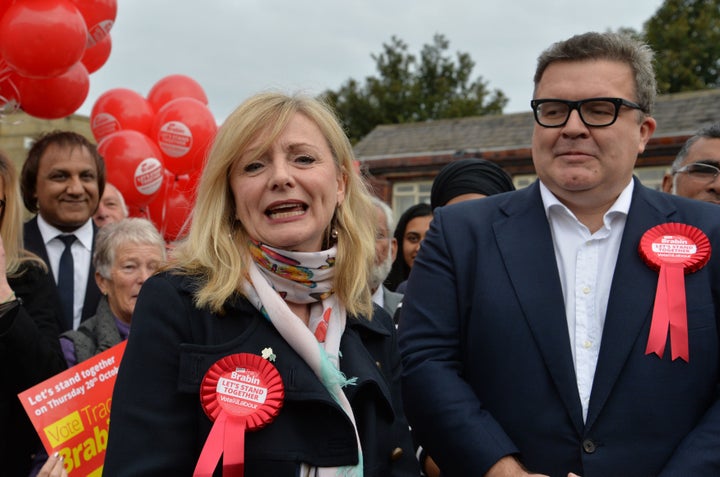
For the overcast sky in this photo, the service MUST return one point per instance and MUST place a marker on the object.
(235, 48)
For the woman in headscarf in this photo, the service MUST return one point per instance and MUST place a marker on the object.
(468, 179)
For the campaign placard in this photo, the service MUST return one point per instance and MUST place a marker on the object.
(71, 411)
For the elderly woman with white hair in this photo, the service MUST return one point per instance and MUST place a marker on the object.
(126, 254)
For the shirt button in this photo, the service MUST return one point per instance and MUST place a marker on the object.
(589, 446)
(587, 344)
(586, 290)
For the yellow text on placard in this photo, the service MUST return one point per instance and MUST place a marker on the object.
(64, 429)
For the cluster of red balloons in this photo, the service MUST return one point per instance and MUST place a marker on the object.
(48, 49)
(154, 148)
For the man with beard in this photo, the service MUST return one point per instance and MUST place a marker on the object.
(385, 251)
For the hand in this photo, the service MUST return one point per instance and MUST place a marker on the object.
(54, 467)
(430, 467)
(509, 466)
(573, 475)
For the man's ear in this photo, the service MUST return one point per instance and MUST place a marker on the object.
(667, 183)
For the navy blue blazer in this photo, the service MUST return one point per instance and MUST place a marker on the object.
(484, 321)
(34, 243)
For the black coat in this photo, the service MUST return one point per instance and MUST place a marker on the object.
(29, 354)
(158, 426)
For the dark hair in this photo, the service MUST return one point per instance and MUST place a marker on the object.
(400, 270)
(607, 46)
(710, 131)
(28, 176)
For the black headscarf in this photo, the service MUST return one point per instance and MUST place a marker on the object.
(467, 176)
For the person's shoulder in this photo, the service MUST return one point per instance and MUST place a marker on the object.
(380, 323)
(31, 222)
(480, 209)
(31, 271)
(671, 202)
(177, 278)
(31, 230)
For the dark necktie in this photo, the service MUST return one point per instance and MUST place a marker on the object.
(66, 281)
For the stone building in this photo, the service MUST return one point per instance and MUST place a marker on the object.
(18, 130)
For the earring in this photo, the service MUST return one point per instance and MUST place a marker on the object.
(334, 233)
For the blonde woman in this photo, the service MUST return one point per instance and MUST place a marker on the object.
(278, 258)
(29, 348)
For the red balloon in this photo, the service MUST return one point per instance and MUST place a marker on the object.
(133, 165)
(156, 208)
(173, 87)
(137, 211)
(42, 38)
(4, 5)
(95, 56)
(99, 16)
(118, 109)
(178, 206)
(184, 129)
(56, 97)
(193, 180)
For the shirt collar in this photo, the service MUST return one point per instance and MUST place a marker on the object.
(620, 206)
(84, 233)
(379, 296)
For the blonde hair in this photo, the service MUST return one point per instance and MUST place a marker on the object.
(215, 248)
(11, 226)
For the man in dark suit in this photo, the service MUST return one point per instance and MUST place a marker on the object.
(525, 332)
(62, 180)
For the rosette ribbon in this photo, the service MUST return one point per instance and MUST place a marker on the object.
(674, 250)
(241, 392)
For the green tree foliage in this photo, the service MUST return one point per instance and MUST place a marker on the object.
(685, 35)
(408, 89)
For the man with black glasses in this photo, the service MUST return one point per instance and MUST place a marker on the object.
(571, 327)
(694, 173)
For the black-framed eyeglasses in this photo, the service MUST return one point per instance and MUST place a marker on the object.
(700, 171)
(594, 112)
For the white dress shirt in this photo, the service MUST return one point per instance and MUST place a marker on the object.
(586, 263)
(82, 255)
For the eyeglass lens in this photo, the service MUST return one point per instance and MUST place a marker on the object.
(592, 113)
(701, 171)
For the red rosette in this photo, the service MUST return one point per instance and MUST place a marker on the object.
(674, 250)
(675, 243)
(243, 385)
(239, 392)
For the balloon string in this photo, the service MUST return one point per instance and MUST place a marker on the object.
(5, 70)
